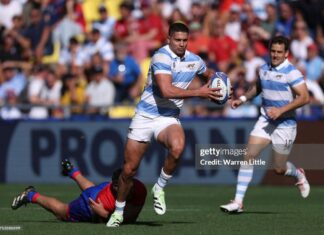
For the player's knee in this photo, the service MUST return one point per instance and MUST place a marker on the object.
(176, 151)
(60, 212)
(128, 171)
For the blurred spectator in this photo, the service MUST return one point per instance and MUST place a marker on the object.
(251, 64)
(126, 75)
(184, 5)
(67, 27)
(225, 6)
(267, 26)
(269, 23)
(144, 34)
(259, 7)
(51, 94)
(248, 17)
(98, 44)
(222, 48)
(313, 67)
(35, 87)
(176, 15)
(9, 50)
(301, 40)
(73, 93)
(78, 13)
(212, 13)
(72, 56)
(198, 42)
(233, 25)
(100, 92)
(15, 46)
(8, 9)
(105, 24)
(10, 111)
(97, 61)
(153, 26)
(197, 12)
(286, 20)
(166, 8)
(39, 32)
(49, 97)
(122, 25)
(53, 11)
(256, 42)
(13, 81)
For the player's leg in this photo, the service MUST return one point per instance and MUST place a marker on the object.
(74, 173)
(136, 203)
(255, 146)
(283, 139)
(134, 152)
(131, 213)
(173, 138)
(30, 195)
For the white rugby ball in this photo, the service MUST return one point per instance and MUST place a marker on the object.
(220, 80)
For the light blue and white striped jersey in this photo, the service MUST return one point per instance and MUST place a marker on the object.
(276, 84)
(183, 70)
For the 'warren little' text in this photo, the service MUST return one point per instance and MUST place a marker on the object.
(229, 162)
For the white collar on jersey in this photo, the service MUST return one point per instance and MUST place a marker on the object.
(282, 65)
(173, 55)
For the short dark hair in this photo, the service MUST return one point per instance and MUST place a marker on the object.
(178, 27)
(280, 40)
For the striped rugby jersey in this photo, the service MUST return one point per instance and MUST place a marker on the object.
(276, 84)
(183, 70)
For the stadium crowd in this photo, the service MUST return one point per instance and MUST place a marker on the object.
(65, 58)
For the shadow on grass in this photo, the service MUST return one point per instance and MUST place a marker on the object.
(157, 224)
(252, 212)
(261, 212)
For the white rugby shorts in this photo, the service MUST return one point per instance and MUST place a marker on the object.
(143, 128)
(282, 138)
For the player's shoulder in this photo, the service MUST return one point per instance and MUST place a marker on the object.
(265, 66)
(162, 55)
(192, 56)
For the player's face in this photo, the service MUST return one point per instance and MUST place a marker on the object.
(278, 54)
(178, 42)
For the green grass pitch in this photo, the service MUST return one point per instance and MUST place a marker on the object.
(191, 209)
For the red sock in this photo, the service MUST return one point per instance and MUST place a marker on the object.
(75, 174)
(34, 198)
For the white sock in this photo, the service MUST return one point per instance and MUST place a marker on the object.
(244, 177)
(293, 171)
(120, 207)
(162, 181)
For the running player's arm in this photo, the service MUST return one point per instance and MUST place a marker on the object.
(207, 75)
(302, 98)
(162, 67)
(169, 91)
(253, 91)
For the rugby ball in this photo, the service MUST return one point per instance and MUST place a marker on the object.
(220, 80)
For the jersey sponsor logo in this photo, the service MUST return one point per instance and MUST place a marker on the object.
(264, 74)
(191, 66)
